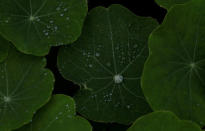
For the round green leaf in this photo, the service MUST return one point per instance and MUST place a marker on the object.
(4, 46)
(25, 86)
(169, 3)
(107, 61)
(174, 73)
(33, 26)
(162, 121)
(58, 115)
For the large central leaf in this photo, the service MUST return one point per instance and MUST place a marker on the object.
(174, 73)
(24, 87)
(35, 25)
(107, 61)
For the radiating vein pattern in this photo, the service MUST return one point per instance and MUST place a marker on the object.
(24, 87)
(176, 64)
(107, 61)
(35, 25)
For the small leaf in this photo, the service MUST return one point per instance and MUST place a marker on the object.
(174, 73)
(33, 26)
(58, 115)
(25, 85)
(162, 121)
(107, 61)
(4, 47)
(169, 3)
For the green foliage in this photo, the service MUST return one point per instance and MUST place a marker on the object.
(33, 26)
(125, 70)
(58, 115)
(174, 73)
(107, 61)
(162, 121)
(25, 85)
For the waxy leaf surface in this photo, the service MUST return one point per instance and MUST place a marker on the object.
(107, 62)
(33, 26)
(58, 115)
(162, 121)
(25, 85)
(174, 73)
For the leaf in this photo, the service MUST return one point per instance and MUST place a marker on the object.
(174, 73)
(162, 121)
(107, 61)
(4, 46)
(33, 26)
(167, 4)
(58, 115)
(25, 86)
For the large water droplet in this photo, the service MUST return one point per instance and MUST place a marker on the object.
(118, 79)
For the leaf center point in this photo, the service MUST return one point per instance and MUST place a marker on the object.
(32, 18)
(7, 99)
(118, 78)
(192, 65)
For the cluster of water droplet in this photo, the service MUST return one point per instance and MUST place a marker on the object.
(107, 97)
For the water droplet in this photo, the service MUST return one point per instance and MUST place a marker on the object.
(118, 79)
(56, 28)
(67, 18)
(58, 8)
(46, 33)
(192, 65)
(97, 54)
(128, 106)
(90, 65)
(67, 105)
(7, 99)
(31, 18)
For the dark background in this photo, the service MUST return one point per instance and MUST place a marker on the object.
(140, 8)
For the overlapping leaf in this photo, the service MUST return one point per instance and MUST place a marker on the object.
(58, 115)
(24, 87)
(33, 26)
(162, 121)
(174, 73)
(107, 61)
(169, 3)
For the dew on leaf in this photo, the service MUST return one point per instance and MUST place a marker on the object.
(100, 55)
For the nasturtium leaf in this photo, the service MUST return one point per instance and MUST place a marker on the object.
(163, 121)
(33, 26)
(25, 86)
(4, 47)
(107, 61)
(58, 115)
(174, 74)
(169, 3)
